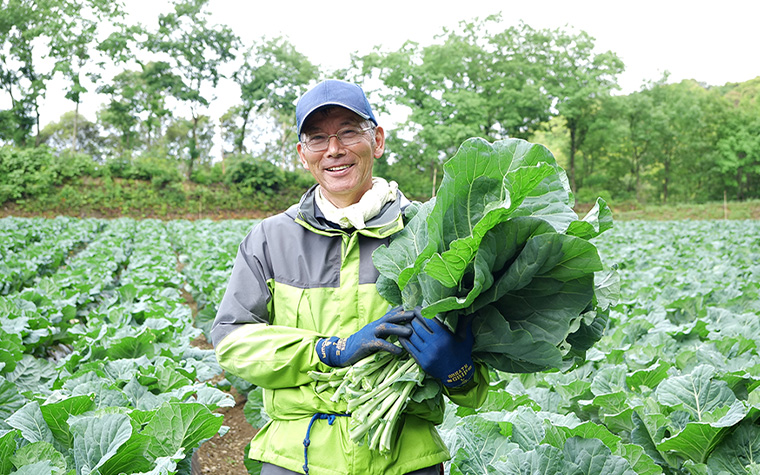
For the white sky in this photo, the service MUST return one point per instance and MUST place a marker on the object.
(712, 42)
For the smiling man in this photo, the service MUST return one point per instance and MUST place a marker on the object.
(302, 297)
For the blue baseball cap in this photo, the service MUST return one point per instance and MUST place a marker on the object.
(333, 92)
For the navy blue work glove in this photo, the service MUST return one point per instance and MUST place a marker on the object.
(340, 352)
(441, 353)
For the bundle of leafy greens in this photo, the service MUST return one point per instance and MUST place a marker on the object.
(502, 241)
(500, 244)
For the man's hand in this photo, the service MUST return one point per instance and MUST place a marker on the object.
(441, 353)
(340, 352)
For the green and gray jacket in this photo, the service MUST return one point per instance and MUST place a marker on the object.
(297, 279)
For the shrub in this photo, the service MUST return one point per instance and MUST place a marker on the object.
(74, 165)
(25, 172)
(254, 175)
(207, 174)
(159, 171)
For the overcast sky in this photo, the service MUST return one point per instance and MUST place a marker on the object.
(712, 42)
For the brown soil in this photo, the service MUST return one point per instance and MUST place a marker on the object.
(224, 455)
(12, 209)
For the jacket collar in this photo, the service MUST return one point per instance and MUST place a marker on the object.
(388, 221)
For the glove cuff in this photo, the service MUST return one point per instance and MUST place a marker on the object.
(328, 351)
(459, 377)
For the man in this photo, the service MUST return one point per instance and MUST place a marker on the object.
(302, 297)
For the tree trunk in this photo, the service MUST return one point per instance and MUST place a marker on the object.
(38, 138)
(241, 137)
(739, 188)
(193, 147)
(76, 128)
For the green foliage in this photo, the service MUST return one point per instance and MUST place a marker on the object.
(159, 171)
(499, 234)
(256, 175)
(208, 174)
(271, 78)
(34, 171)
(670, 388)
(131, 394)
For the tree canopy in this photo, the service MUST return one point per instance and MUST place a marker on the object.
(484, 78)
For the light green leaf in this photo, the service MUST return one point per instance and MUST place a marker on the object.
(696, 392)
(478, 444)
(97, 438)
(698, 439)
(7, 448)
(544, 459)
(56, 415)
(31, 423)
(178, 426)
(592, 457)
(39, 452)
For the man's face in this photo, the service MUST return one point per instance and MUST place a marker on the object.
(343, 172)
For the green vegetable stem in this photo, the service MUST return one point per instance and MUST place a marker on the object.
(376, 390)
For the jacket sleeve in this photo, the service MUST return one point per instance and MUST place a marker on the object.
(269, 356)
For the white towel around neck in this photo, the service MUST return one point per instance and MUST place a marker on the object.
(357, 214)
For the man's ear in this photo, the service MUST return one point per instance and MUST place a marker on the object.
(299, 148)
(379, 148)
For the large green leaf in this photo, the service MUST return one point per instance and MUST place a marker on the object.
(696, 392)
(57, 413)
(133, 453)
(39, 452)
(498, 247)
(483, 185)
(7, 447)
(178, 426)
(698, 439)
(97, 438)
(478, 445)
(10, 399)
(31, 423)
(592, 457)
(542, 459)
(511, 350)
(397, 260)
(738, 450)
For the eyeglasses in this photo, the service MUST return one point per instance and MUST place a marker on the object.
(347, 136)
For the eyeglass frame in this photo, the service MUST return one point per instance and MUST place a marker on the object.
(361, 131)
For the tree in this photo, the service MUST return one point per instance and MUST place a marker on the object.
(22, 22)
(683, 130)
(196, 51)
(479, 80)
(33, 32)
(738, 146)
(120, 116)
(579, 80)
(60, 135)
(71, 46)
(272, 77)
(185, 135)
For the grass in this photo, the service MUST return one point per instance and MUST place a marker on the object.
(142, 199)
(683, 211)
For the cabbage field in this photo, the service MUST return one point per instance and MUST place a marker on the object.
(98, 374)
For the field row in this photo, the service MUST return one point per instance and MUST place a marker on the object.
(671, 388)
(97, 371)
